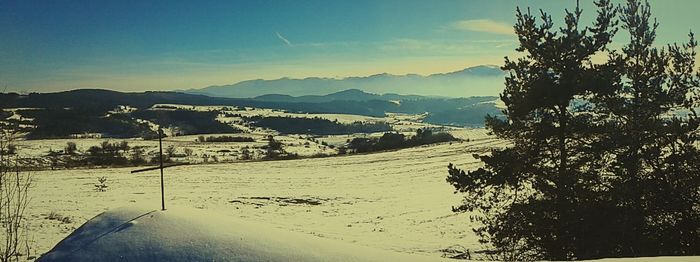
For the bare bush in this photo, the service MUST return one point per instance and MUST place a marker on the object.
(14, 199)
(58, 217)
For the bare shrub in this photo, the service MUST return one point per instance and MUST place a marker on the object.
(14, 199)
(58, 217)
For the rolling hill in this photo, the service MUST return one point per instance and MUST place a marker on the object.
(55, 115)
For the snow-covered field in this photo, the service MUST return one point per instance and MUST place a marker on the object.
(34, 152)
(396, 200)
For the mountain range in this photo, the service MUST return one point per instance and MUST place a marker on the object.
(345, 95)
(483, 80)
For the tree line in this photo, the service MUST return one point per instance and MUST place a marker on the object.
(315, 125)
(65, 122)
(392, 140)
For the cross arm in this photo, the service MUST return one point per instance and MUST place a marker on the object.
(158, 167)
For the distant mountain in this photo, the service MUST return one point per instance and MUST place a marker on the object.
(345, 95)
(440, 110)
(481, 71)
(484, 80)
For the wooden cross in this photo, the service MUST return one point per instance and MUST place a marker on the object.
(161, 167)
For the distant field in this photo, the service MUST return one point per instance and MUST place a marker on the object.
(35, 152)
(395, 200)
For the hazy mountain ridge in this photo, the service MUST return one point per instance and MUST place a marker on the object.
(484, 80)
(345, 95)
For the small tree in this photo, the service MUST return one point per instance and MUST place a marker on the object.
(171, 150)
(246, 154)
(188, 152)
(54, 157)
(123, 146)
(274, 148)
(101, 185)
(71, 148)
(205, 157)
(342, 150)
(138, 156)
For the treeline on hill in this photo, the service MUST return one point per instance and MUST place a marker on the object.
(315, 126)
(398, 140)
(105, 100)
(187, 122)
(5, 114)
(618, 176)
(469, 111)
(468, 116)
(222, 139)
(65, 122)
(16, 124)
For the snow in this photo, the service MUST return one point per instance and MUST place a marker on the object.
(34, 152)
(266, 112)
(181, 234)
(396, 200)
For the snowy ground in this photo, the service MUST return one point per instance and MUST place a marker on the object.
(134, 233)
(395, 200)
(35, 152)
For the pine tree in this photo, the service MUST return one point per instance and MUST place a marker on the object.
(655, 165)
(534, 187)
(604, 158)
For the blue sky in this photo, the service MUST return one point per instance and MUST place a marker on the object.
(165, 45)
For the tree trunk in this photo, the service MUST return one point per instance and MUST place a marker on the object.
(563, 189)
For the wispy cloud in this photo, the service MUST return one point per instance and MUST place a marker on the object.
(406, 46)
(286, 42)
(484, 25)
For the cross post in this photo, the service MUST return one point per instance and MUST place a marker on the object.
(162, 187)
(161, 166)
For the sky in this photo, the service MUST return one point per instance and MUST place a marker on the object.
(127, 45)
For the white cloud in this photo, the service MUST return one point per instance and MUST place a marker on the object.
(484, 25)
(283, 39)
